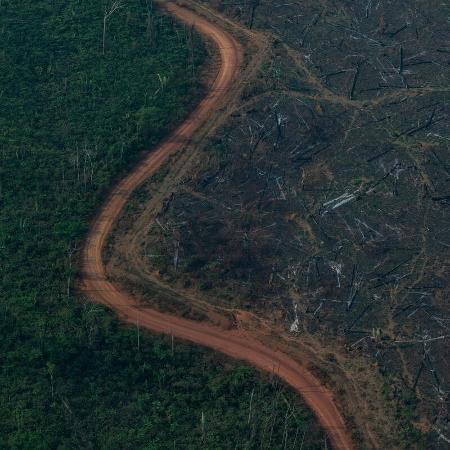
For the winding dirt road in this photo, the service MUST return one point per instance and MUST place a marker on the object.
(237, 344)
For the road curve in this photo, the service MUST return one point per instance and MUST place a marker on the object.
(237, 344)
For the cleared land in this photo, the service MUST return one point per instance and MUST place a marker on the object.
(320, 210)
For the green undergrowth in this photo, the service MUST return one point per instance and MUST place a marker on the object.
(74, 116)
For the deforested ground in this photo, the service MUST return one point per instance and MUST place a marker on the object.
(321, 207)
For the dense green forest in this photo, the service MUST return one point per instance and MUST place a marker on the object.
(78, 107)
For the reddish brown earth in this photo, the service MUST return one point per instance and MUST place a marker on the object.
(235, 343)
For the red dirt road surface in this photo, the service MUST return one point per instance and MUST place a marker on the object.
(237, 344)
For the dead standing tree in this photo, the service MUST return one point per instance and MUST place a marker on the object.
(150, 17)
(114, 6)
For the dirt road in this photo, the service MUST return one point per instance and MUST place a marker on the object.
(236, 344)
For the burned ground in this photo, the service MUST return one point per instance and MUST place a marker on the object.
(326, 195)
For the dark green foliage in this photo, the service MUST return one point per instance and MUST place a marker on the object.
(92, 384)
(73, 119)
